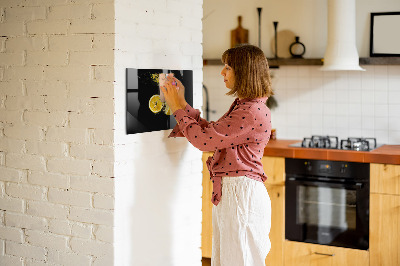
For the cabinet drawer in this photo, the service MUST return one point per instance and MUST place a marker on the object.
(274, 168)
(305, 254)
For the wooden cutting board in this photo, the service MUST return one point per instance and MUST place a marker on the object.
(239, 35)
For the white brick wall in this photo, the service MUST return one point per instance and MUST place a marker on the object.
(56, 132)
(156, 177)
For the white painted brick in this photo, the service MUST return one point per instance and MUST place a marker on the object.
(56, 103)
(2, 192)
(92, 151)
(46, 209)
(46, 27)
(24, 73)
(56, 149)
(95, 216)
(103, 168)
(47, 58)
(12, 204)
(70, 12)
(93, 184)
(105, 260)
(103, 11)
(99, 120)
(12, 145)
(71, 42)
(32, 262)
(104, 73)
(96, 57)
(24, 132)
(98, 105)
(2, 158)
(82, 230)
(91, 89)
(91, 247)
(11, 59)
(12, 117)
(24, 13)
(103, 41)
(91, 26)
(2, 222)
(25, 221)
(103, 202)
(48, 179)
(46, 2)
(3, 44)
(69, 166)
(60, 227)
(46, 240)
(81, 73)
(11, 260)
(69, 197)
(105, 233)
(25, 161)
(190, 48)
(12, 29)
(11, 233)
(46, 118)
(25, 250)
(74, 135)
(11, 88)
(21, 43)
(25, 103)
(25, 191)
(68, 258)
(101, 136)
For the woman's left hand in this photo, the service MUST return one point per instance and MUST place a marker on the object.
(172, 98)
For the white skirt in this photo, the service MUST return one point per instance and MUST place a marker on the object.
(241, 223)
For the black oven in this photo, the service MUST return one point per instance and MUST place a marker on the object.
(327, 202)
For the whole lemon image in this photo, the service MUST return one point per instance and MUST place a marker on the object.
(155, 103)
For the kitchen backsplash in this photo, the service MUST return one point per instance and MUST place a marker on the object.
(314, 102)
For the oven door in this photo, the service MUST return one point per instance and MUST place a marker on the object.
(327, 213)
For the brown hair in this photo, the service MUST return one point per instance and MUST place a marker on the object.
(250, 66)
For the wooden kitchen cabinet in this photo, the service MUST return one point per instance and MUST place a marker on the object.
(305, 254)
(206, 226)
(385, 178)
(384, 237)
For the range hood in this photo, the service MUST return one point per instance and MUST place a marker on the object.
(341, 51)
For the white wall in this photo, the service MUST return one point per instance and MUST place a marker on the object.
(311, 102)
(305, 18)
(56, 132)
(158, 180)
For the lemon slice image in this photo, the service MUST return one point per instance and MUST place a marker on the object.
(155, 104)
(167, 110)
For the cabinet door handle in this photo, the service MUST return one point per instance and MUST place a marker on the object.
(324, 254)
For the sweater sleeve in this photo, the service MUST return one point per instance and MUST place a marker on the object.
(193, 113)
(229, 131)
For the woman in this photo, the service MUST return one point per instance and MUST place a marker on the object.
(242, 208)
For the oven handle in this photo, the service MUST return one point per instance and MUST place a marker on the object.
(357, 185)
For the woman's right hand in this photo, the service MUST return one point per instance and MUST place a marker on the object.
(181, 90)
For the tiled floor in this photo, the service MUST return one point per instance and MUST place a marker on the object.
(206, 261)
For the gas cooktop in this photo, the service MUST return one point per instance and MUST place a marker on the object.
(332, 142)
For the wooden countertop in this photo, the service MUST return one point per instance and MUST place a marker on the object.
(389, 154)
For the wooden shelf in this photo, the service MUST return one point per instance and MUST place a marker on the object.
(380, 61)
(274, 63)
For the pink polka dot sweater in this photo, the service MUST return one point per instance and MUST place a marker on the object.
(238, 139)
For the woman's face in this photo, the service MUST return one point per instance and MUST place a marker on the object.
(229, 76)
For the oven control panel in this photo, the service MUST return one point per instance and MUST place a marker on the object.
(338, 169)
